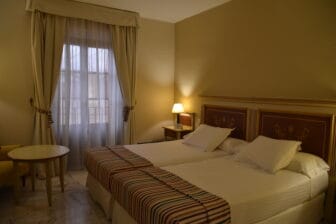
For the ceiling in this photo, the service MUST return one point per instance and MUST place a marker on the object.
(165, 10)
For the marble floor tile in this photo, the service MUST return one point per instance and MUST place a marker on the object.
(72, 206)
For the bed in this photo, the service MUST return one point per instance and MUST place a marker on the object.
(255, 196)
(174, 152)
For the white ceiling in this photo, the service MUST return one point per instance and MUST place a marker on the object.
(164, 10)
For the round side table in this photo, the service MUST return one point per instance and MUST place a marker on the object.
(39, 154)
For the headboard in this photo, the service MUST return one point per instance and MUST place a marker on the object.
(187, 119)
(226, 117)
(313, 130)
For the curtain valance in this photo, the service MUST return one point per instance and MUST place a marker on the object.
(81, 10)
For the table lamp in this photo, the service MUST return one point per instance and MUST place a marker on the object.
(177, 108)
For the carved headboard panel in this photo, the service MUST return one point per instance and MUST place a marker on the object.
(226, 117)
(187, 119)
(314, 130)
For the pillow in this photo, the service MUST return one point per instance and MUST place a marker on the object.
(207, 137)
(232, 145)
(307, 164)
(269, 154)
(187, 135)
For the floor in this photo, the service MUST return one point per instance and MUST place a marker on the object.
(72, 206)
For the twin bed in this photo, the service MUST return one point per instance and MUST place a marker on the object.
(253, 195)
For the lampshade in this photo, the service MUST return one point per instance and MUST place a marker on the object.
(178, 108)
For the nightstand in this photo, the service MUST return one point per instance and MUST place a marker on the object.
(170, 132)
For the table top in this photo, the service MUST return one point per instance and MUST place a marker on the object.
(184, 128)
(38, 152)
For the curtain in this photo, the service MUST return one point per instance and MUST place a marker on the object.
(81, 10)
(124, 46)
(88, 104)
(46, 42)
(50, 22)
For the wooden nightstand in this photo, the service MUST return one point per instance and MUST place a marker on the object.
(170, 132)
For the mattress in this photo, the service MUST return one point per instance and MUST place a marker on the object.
(172, 152)
(309, 212)
(253, 194)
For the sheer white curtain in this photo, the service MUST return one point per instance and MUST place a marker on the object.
(88, 105)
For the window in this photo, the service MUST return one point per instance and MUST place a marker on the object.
(95, 96)
(88, 106)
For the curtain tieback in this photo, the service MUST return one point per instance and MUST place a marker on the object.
(126, 112)
(43, 111)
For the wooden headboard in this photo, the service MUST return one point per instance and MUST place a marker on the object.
(313, 130)
(226, 117)
(187, 119)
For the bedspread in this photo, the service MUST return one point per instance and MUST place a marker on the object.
(104, 162)
(152, 195)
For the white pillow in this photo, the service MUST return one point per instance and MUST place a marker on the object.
(307, 164)
(207, 137)
(187, 135)
(232, 145)
(269, 154)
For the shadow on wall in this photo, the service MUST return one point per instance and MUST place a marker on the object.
(154, 133)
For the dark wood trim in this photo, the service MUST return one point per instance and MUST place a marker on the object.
(288, 125)
(328, 103)
(227, 117)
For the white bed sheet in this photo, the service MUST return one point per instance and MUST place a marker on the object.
(172, 152)
(253, 194)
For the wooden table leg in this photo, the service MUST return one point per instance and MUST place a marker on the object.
(48, 181)
(17, 181)
(33, 175)
(61, 174)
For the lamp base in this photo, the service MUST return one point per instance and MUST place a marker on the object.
(178, 126)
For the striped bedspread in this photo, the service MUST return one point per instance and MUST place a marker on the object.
(155, 196)
(104, 162)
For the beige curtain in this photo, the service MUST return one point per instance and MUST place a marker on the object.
(124, 41)
(124, 31)
(81, 10)
(47, 44)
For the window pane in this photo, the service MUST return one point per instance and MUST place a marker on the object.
(92, 59)
(75, 116)
(102, 85)
(75, 57)
(75, 85)
(98, 111)
(103, 60)
(93, 111)
(93, 86)
(105, 112)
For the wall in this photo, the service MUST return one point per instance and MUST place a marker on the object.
(259, 48)
(155, 84)
(155, 76)
(16, 85)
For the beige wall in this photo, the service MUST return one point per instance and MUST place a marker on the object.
(243, 48)
(155, 76)
(155, 84)
(259, 48)
(16, 85)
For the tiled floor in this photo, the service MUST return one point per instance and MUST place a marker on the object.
(72, 206)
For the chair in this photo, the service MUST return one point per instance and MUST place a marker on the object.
(7, 175)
